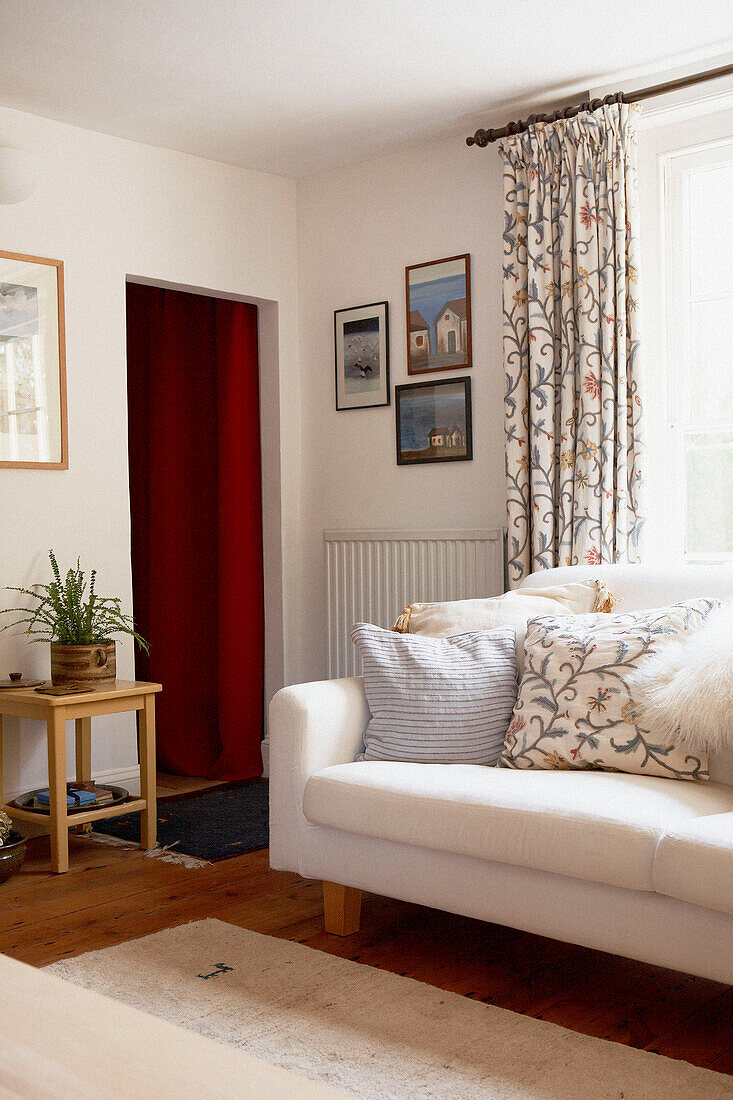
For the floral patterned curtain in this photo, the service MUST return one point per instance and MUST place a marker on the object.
(571, 342)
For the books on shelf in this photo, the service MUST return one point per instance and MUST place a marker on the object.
(85, 793)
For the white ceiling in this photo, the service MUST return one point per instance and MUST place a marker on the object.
(299, 86)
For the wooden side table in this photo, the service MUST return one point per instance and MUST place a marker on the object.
(55, 711)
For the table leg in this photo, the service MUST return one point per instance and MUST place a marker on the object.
(83, 749)
(146, 742)
(56, 738)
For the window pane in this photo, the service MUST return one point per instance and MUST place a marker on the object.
(709, 461)
(711, 230)
(711, 361)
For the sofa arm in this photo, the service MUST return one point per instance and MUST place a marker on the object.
(312, 726)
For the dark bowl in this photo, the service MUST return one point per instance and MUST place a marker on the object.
(12, 854)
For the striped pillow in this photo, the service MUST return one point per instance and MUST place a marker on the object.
(437, 700)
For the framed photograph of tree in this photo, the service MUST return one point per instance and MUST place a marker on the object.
(33, 431)
(361, 349)
(438, 308)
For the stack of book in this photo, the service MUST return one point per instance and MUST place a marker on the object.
(84, 793)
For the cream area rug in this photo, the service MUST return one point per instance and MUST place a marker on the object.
(366, 1031)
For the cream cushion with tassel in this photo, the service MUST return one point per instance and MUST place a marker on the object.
(443, 620)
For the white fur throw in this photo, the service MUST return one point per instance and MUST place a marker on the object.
(684, 692)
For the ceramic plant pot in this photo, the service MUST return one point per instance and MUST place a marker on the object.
(12, 854)
(83, 664)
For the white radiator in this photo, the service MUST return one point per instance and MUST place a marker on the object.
(372, 575)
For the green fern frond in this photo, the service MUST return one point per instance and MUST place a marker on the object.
(61, 613)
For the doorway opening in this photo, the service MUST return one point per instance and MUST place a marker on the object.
(196, 515)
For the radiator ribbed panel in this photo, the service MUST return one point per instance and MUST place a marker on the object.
(372, 575)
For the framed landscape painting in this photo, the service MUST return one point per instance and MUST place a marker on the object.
(438, 297)
(433, 422)
(361, 346)
(32, 369)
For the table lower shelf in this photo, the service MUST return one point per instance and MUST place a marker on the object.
(79, 817)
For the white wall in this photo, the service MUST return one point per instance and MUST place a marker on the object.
(357, 230)
(111, 208)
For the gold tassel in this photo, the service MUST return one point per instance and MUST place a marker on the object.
(402, 626)
(605, 599)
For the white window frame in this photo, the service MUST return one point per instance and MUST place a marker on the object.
(676, 168)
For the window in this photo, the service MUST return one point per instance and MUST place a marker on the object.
(698, 260)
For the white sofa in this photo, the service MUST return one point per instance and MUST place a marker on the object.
(634, 865)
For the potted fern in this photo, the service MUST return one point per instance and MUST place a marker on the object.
(77, 622)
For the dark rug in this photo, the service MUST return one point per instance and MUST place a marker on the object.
(212, 825)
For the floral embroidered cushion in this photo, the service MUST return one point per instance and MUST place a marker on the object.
(576, 708)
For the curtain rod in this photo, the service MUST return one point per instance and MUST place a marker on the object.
(483, 137)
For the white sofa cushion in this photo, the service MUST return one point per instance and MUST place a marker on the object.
(694, 862)
(599, 826)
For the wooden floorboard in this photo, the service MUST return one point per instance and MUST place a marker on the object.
(724, 1064)
(168, 784)
(113, 894)
(704, 1036)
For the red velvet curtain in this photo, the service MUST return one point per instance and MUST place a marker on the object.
(195, 498)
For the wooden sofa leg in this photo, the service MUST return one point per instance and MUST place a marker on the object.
(341, 909)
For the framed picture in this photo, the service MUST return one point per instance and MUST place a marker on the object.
(433, 421)
(32, 363)
(438, 297)
(361, 347)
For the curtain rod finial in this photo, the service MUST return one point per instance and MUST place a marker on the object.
(480, 138)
